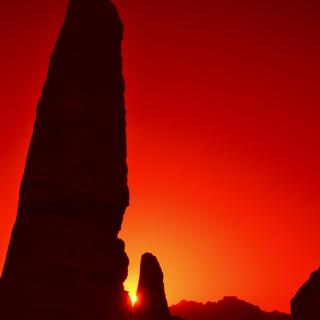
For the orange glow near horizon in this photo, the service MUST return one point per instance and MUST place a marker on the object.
(131, 287)
(223, 139)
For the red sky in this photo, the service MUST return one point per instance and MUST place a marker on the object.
(223, 138)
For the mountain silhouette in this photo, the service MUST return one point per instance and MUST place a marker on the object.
(306, 303)
(64, 259)
(229, 308)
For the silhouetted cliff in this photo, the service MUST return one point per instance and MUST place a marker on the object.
(230, 308)
(152, 302)
(306, 303)
(65, 260)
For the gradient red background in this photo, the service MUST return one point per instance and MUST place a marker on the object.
(223, 138)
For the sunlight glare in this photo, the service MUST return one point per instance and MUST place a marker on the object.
(134, 299)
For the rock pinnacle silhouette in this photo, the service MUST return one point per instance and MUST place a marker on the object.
(65, 260)
(306, 303)
(152, 302)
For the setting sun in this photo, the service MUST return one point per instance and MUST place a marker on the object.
(134, 299)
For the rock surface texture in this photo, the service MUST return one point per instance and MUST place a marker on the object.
(152, 302)
(64, 259)
(306, 303)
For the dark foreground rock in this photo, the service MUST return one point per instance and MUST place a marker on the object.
(65, 260)
(306, 303)
(152, 302)
(230, 308)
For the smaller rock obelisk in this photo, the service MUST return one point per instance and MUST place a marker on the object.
(65, 260)
(152, 303)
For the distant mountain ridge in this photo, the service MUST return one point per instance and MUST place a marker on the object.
(229, 308)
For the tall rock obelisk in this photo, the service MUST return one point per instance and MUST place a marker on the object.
(64, 259)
